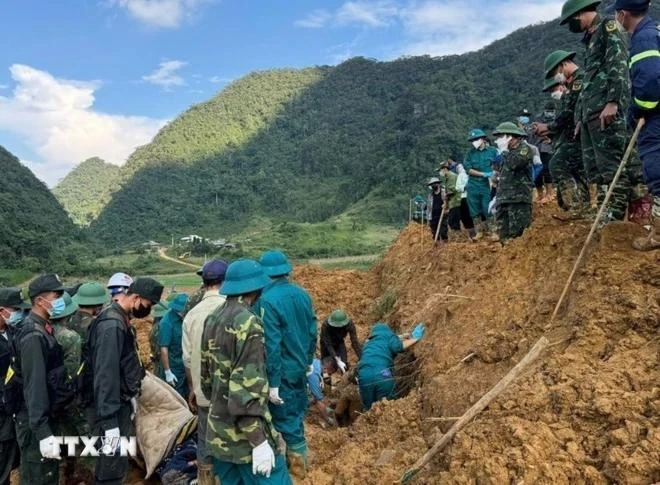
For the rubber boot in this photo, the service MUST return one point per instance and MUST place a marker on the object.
(479, 228)
(297, 465)
(652, 241)
(205, 474)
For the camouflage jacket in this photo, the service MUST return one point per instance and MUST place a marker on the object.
(79, 323)
(516, 176)
(605, 70)
(71, 344)
(449, 184)
(563, 128)
(194, 299)
(233, 375)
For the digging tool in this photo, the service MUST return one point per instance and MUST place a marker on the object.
(594, 226)
(442, 215)
(479, 406)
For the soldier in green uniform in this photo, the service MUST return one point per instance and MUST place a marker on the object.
(90, 298)
(240, 435)
(564, 79)
(69, 340)
(603, 102)
(12, 308)
(514, 194)
(448, 180)
(159, 311)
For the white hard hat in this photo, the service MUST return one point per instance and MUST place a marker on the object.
(119, 279)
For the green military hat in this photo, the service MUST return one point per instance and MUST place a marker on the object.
(91, 294)
(475, 134)
(571, 7)
(244, 276)
(70, 307)
(338, 318)
(178, 303)
(275, 263)
(160, 309)
(554, 59)
(549, 84)
(509, 128)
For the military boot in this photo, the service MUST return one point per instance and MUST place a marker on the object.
(652, 241)
(205, 474)
(297, 465)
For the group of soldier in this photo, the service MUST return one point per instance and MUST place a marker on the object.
(599, 107)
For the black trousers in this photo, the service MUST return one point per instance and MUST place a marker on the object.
(460, 214)
(112, 470)
(444, 229)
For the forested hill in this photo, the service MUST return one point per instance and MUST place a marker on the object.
(86, 190)
(305, 145)
(33, 222)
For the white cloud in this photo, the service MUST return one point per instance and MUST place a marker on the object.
(56, 117)
(4, 86)
(220, 80)
(369, 14)
(315, 20)
(161, 13)
(166, 75)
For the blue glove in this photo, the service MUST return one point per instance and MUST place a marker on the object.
(488, 174)
(418, 331)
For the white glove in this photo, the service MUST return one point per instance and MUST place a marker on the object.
(170, 377)
(111, 442)
(50, 448)
(341, 365)
(134, 406)
(263, 459)
(536, 160)
(274, 396)
(503, 143)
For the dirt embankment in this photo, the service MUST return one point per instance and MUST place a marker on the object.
(589, 410)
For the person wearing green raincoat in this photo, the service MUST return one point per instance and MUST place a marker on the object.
(376, 367)
(290, 328)
(478, 164)
(170, 334)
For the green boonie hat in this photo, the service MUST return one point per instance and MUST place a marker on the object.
(91, 294)
(275, 263)
(160, 309)
(70, 308)
(509, 128)
(244, 276)
(147, 288)
(549, 83)
(571, 7)
(554, 59)
(13, 298)
(475, 134)
(338, 318)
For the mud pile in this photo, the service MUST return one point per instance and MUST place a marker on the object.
(587, 412)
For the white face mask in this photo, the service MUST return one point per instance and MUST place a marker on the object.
(560, 78)
(556, 95)
(503, 143)
(477, 144)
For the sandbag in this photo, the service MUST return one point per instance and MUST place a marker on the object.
(163, 421)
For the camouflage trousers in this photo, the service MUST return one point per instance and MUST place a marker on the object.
(602, 152)
(512, 219)
(568, 174)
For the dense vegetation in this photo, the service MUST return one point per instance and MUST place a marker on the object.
(87, 189)
(306, 145)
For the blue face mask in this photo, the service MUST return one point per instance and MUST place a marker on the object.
(15, 318)
(57, 307)
(523, 119)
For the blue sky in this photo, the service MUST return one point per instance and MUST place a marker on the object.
(82, 78)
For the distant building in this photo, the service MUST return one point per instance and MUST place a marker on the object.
(191, 238)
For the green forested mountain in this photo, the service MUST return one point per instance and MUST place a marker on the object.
(304, 145)
(87, 189)
(34, 224)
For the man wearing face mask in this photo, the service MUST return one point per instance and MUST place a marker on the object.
(12, 308)
(566, 80)
(514, 196)
(115, 372)
(645, 80)
(603, 102)
(38, 366)
(479, 166)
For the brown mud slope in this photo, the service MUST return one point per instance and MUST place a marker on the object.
(588, 411)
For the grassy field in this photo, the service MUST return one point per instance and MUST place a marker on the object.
(14, 277)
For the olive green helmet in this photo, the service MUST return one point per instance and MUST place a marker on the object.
(338, 318)
(549, 84)
(509, 128)
(571, 7)
(554, 59)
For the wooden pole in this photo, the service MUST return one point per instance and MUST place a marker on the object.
(442, 215)
(479, 406)
(410, 210)
(594, 226)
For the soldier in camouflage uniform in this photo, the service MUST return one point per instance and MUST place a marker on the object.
(90, 299)
(195, 298)
(564, 79)
(240, 435)
(514, 195)
(603, 103)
